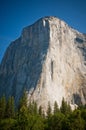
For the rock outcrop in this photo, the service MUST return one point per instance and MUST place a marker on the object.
(49, 60)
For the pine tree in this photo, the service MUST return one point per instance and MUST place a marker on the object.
(10, 108)
(49, 110)
(23, 112)
(2, 107)
(65, 108)
(30, 108)
(77, 123)
(35, 108)
(56, 109)
(40, 111)
(23, 100)
(23, 118)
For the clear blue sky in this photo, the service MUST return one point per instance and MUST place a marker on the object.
(16, 14)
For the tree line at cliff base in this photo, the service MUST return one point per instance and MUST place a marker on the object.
(30, 117)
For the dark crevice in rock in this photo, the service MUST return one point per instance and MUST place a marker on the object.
(79, 40)
(77, 99)
(52, 70)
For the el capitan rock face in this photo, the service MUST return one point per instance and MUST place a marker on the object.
(49, 60)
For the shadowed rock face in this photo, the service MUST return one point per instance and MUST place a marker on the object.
(49, 60)
(22, 64)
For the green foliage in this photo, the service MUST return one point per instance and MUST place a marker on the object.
(31, 118)
(56, 109)
(77, 121)
(66, 124)
(23, 118)
(2, 107)
(32, 108)
(49, 110)
(10, 108)
(65, 108)
(23, 100)
(55, 122)
(36, 123)
(7, 124)
(40, 111)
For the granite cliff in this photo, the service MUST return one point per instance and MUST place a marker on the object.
(49, 60)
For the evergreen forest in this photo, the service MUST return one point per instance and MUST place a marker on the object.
(30, 117)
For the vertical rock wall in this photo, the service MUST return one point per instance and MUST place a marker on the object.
(49, 60)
